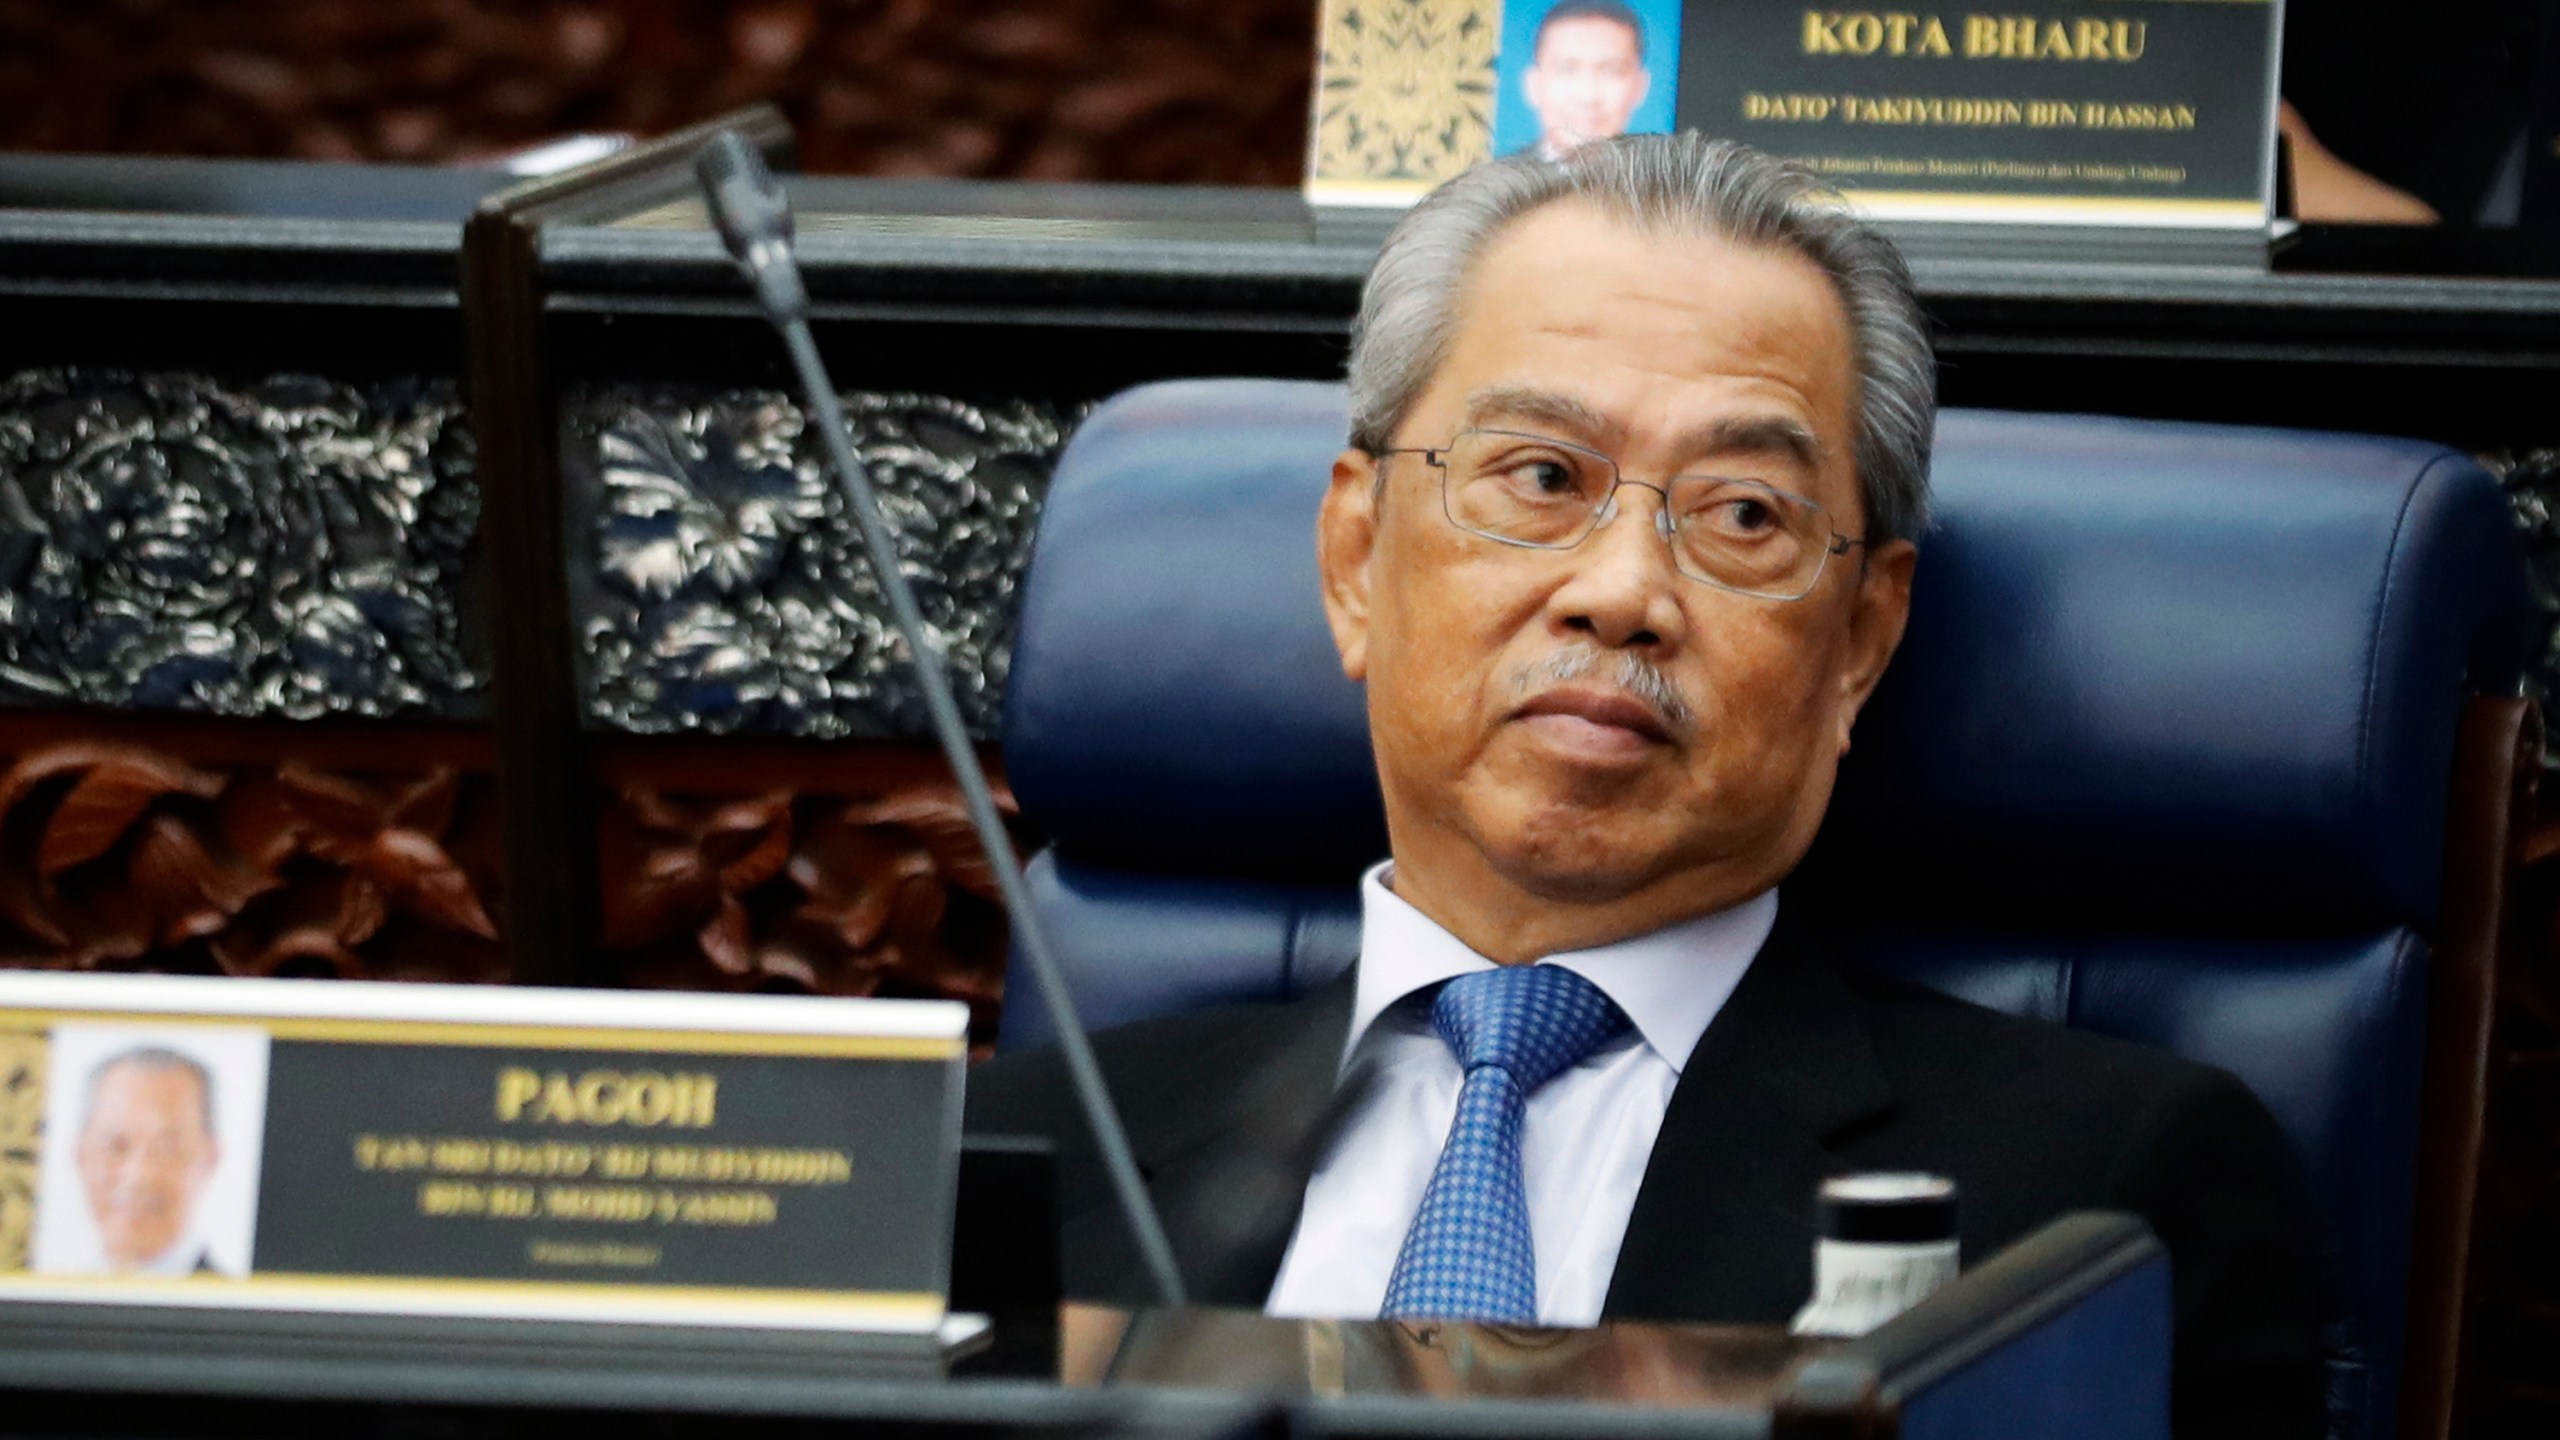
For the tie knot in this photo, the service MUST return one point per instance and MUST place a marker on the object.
(1534, 1021)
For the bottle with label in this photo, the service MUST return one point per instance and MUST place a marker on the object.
(1886, 1242)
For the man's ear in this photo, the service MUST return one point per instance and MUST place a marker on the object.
(1880, 611)
(1346, 536)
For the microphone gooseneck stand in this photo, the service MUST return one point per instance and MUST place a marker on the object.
(754, 218)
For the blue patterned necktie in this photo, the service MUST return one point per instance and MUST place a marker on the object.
(1513, 1028)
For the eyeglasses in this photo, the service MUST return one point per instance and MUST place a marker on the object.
(1542, 494)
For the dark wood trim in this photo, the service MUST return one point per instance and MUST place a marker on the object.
(231, 741)
(529, 682)
(728, 763)
(547, 803)
(2497, 763)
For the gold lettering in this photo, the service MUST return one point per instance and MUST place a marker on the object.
(2098, 115)
(515, 1088)
(2025, 37)
(1821, 33)
(452, 1197)
(1992, 37)
(559, 1100)
(1931, 110)
(1756, 106)
(645, 1098)
(600, 1098)
(649, 1099)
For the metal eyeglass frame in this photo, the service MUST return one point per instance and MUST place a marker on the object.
(1607, 510)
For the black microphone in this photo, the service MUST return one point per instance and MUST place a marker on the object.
(754, 216)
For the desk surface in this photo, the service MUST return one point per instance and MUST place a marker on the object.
(2075, 1315)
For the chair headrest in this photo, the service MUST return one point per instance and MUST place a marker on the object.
(1174, 701)
(2159, 671)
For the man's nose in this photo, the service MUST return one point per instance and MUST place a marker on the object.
(1624, 590)
(140, 1171)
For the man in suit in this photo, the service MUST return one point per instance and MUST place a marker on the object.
(1622, 541)
(1586, 74)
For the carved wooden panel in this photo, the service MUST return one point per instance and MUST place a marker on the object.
(720, 585)
(2532, 478)
(1186, 91)
(133, 848)
(848, 870)
(287, 546)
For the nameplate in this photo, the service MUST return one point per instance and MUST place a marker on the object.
(2140, 112)
(2058, 112)
(521, 1154)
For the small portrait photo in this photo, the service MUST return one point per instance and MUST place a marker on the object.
(149, 1162)
(1577, 70)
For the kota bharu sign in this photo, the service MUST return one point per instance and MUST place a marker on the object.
(2157, 112)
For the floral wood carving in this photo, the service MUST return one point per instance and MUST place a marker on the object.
(722, 585)
(2532, 478)
(115, 856)
(22, 1072)
(290, 547)
(1407, 90)
(877, 894)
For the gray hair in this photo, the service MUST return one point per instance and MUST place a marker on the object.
(153, 1057)
(1681, 183)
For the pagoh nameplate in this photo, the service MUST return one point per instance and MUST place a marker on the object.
(342, 1147)
(2069, 112)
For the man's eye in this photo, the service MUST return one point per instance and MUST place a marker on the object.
(1745, 515)
(1544, 478)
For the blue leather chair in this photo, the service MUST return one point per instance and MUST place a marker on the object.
(2169, 753)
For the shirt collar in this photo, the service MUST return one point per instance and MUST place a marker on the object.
(181, 1259)
(1671, 983)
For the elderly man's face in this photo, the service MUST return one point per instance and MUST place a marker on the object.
(144, 1158)
(1576, 806)
(1586, 80)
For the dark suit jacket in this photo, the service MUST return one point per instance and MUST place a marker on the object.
(1808, 1071)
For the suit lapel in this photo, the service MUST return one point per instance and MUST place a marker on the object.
(1228, 1163)
(1722, 1227)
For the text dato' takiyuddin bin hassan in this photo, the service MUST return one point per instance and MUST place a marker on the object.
(1623, 538)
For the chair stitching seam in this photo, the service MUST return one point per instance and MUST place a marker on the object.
(2381, 616)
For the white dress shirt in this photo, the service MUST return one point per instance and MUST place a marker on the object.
(1589, 1131)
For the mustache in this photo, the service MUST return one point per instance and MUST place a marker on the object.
(1625, 669)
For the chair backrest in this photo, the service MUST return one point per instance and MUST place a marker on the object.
(2164, 755)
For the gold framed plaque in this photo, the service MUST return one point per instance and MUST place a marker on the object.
(2151, 113)
(342, 1147)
